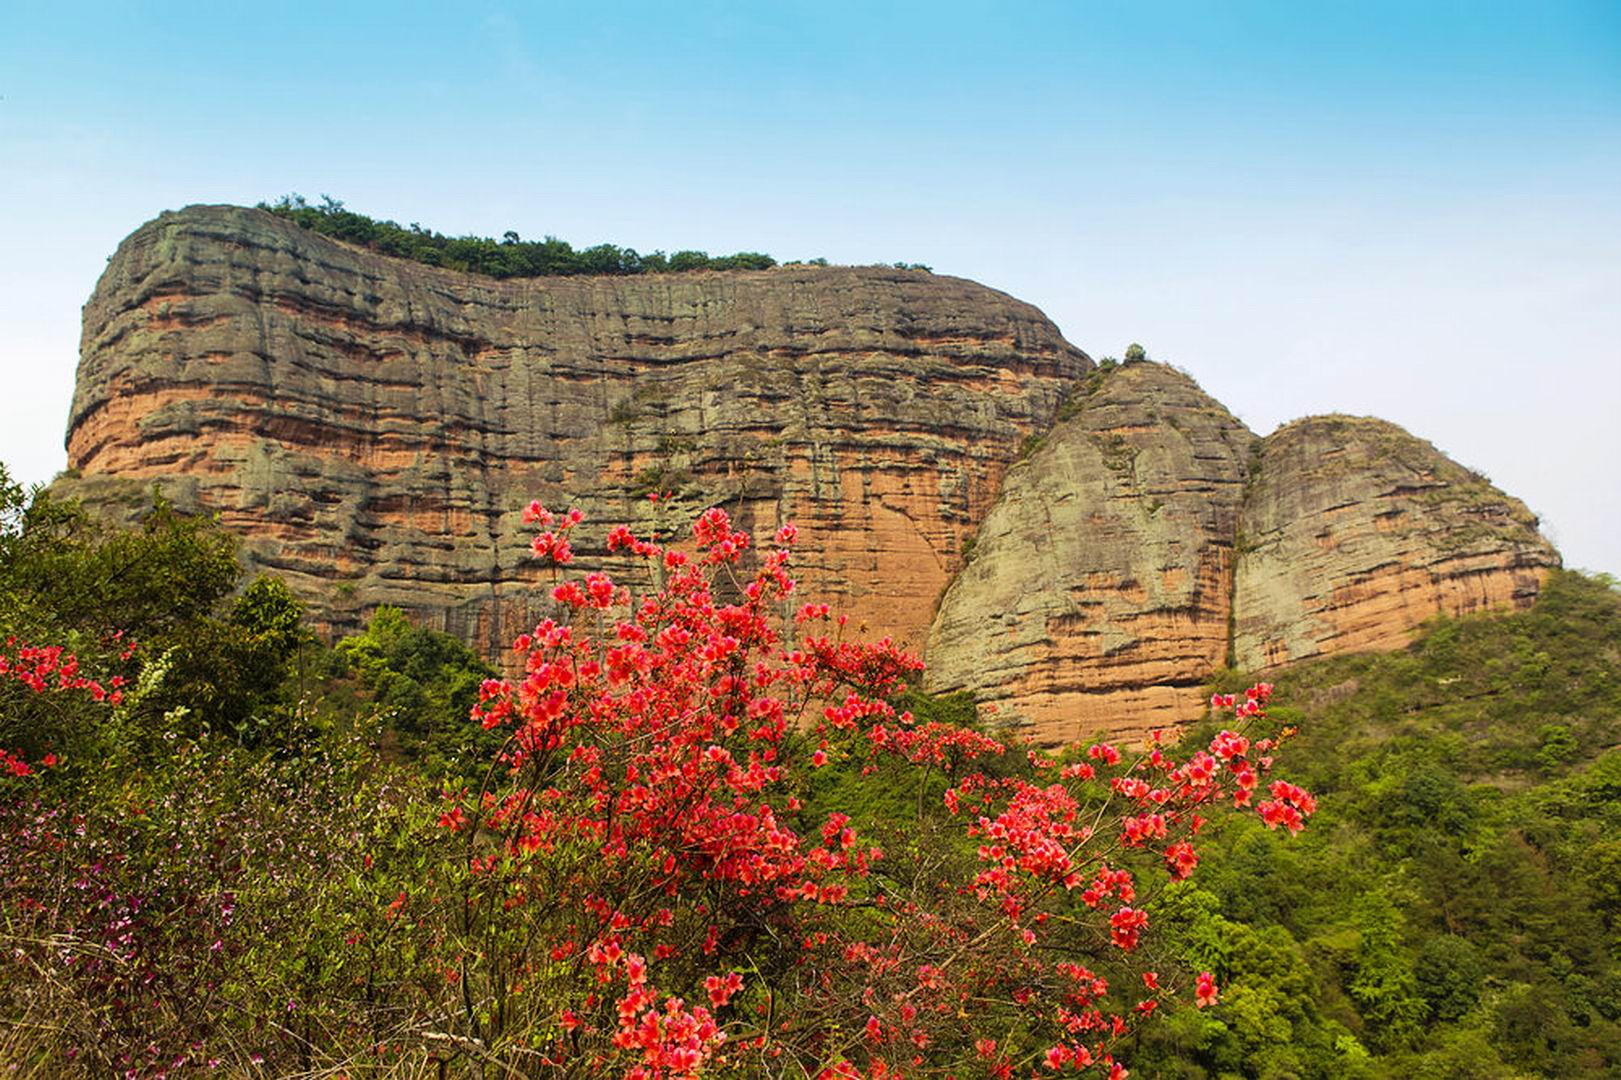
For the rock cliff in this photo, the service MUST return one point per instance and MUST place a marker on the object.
(1151, 540)
(1081, 548)
(1355, 531)
(373, 427)
(1100, 586)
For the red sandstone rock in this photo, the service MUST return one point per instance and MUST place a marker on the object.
(372, 429)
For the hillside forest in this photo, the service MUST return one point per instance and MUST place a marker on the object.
(695, 826)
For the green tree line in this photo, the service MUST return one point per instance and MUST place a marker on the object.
(509, 257)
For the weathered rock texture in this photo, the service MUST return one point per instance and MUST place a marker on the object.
(372, 429)
(1100, 586)
(1151, 539)
(1355, 532)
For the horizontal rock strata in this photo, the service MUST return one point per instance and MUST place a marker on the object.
(372, 427)
(1355, 532)
(1151, 540)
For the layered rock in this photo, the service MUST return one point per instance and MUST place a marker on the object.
(1151, 540)
(372, 427)
(1355, 532)
(1099, 592)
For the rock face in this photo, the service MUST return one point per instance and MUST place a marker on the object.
(1151, 539)
(373, 427)
(1100, 587)
(1355, 532)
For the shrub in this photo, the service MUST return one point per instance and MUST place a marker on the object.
(509, 257)
(657, 882)
(425, 683)
(711, 835)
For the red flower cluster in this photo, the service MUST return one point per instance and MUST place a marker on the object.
(44, 668)
(648, 817)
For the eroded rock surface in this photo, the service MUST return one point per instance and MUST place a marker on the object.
(1355, 532)
(372, 427)
(1151, 539)
(1100, 586)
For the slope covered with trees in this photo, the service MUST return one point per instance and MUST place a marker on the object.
(255, 851)
(1454, 909)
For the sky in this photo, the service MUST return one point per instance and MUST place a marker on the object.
(1409, 210)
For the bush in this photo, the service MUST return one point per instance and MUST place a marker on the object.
(425, 683)
(117, 600)
(663, 878)
(509, 257)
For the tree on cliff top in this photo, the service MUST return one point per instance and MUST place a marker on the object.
(509, 257)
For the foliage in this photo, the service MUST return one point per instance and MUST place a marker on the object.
(65, 573)
(118, 599)
(655, 816)
(426, 683)
(657, 836)
(222, 910)
(509, 257)
(1455, 903)
(659, 864)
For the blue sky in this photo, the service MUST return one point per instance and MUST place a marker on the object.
(1408, 210)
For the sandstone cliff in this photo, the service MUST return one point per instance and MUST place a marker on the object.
(1100, 586)
(1355, 531)
(1151, 540)
(373, 427)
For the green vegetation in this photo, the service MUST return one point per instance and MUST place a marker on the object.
(1453, 910)
(1031, 443)
(1118, 452)
(509, 257)
(1072, 405)
(161, 592)
(214, 655)
(424, 683)
(191, 774)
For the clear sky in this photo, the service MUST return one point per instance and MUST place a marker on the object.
(1410, 210)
